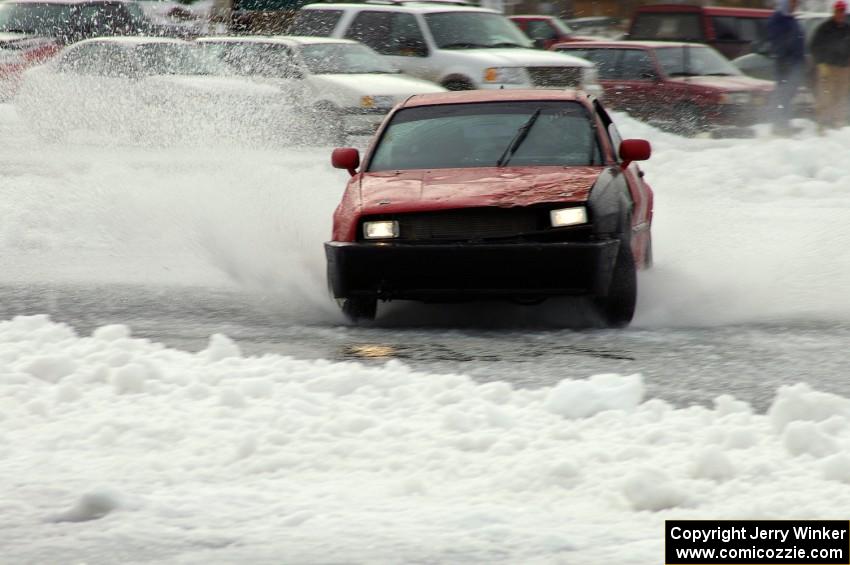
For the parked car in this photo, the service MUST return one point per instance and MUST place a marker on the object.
(515, 195)
(67, 21)
(18, 52)
(686, 87)
(348, 87)
(32, 31)
(732, 31)
(545, 31)
(458, 47)
(140, 86)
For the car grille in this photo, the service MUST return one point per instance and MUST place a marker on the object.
(470, 224)
(555, 77)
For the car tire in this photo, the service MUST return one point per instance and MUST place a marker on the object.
(458, 84)
(617, 309)
(359, 308)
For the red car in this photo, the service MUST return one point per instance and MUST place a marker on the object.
(688, 87)
(19, 51)
(732, 31)
(510, 194)
(546, 31)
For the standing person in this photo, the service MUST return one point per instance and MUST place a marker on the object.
(789, 45)
(831, 51)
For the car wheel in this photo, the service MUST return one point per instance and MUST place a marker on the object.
(618, 308)
(359, 308)
(458, 85)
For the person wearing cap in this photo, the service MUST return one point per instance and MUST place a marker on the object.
(788, 43)
(830, 49)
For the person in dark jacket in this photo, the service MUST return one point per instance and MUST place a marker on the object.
(789, 48)
(830, 48)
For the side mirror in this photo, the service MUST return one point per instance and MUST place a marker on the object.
(634, 150)
(347, 158)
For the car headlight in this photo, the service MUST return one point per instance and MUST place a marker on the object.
(385, 229)
(376, 102)
(505, 75)
(568, 217)
(736, 98)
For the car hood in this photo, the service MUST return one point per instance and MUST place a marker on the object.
(520, 57)
(732, 84)
(216, 85)
(389, 192)
(375, 84)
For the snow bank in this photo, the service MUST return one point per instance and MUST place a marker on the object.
(747, 229)
(117, 448)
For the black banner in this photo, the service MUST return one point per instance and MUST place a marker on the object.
(757, 542)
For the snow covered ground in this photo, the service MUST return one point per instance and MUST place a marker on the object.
(117, 449)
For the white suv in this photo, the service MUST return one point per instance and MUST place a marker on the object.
(458, 47)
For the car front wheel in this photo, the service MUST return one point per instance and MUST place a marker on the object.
(618, 308)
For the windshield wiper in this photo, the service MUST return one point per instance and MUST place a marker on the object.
(684, 74)
(519, 137)
(719, 74)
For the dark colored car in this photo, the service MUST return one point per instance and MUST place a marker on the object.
(732, 31)
(516, 195)
(33, 31)
(545, 31)
(685, 87)
(68, 21)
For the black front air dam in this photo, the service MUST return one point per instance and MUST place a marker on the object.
(458, 271)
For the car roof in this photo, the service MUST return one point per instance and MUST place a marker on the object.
(629, 44)
(709, 10)
(133, 40)
(415, 7)
(477, 96)
(282, 39)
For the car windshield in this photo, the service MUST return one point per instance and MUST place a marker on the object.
(254, 59)
(343, 58)
(177, 59)
(470, 30)
(43, 19)
(481, 135)
(694, 61)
